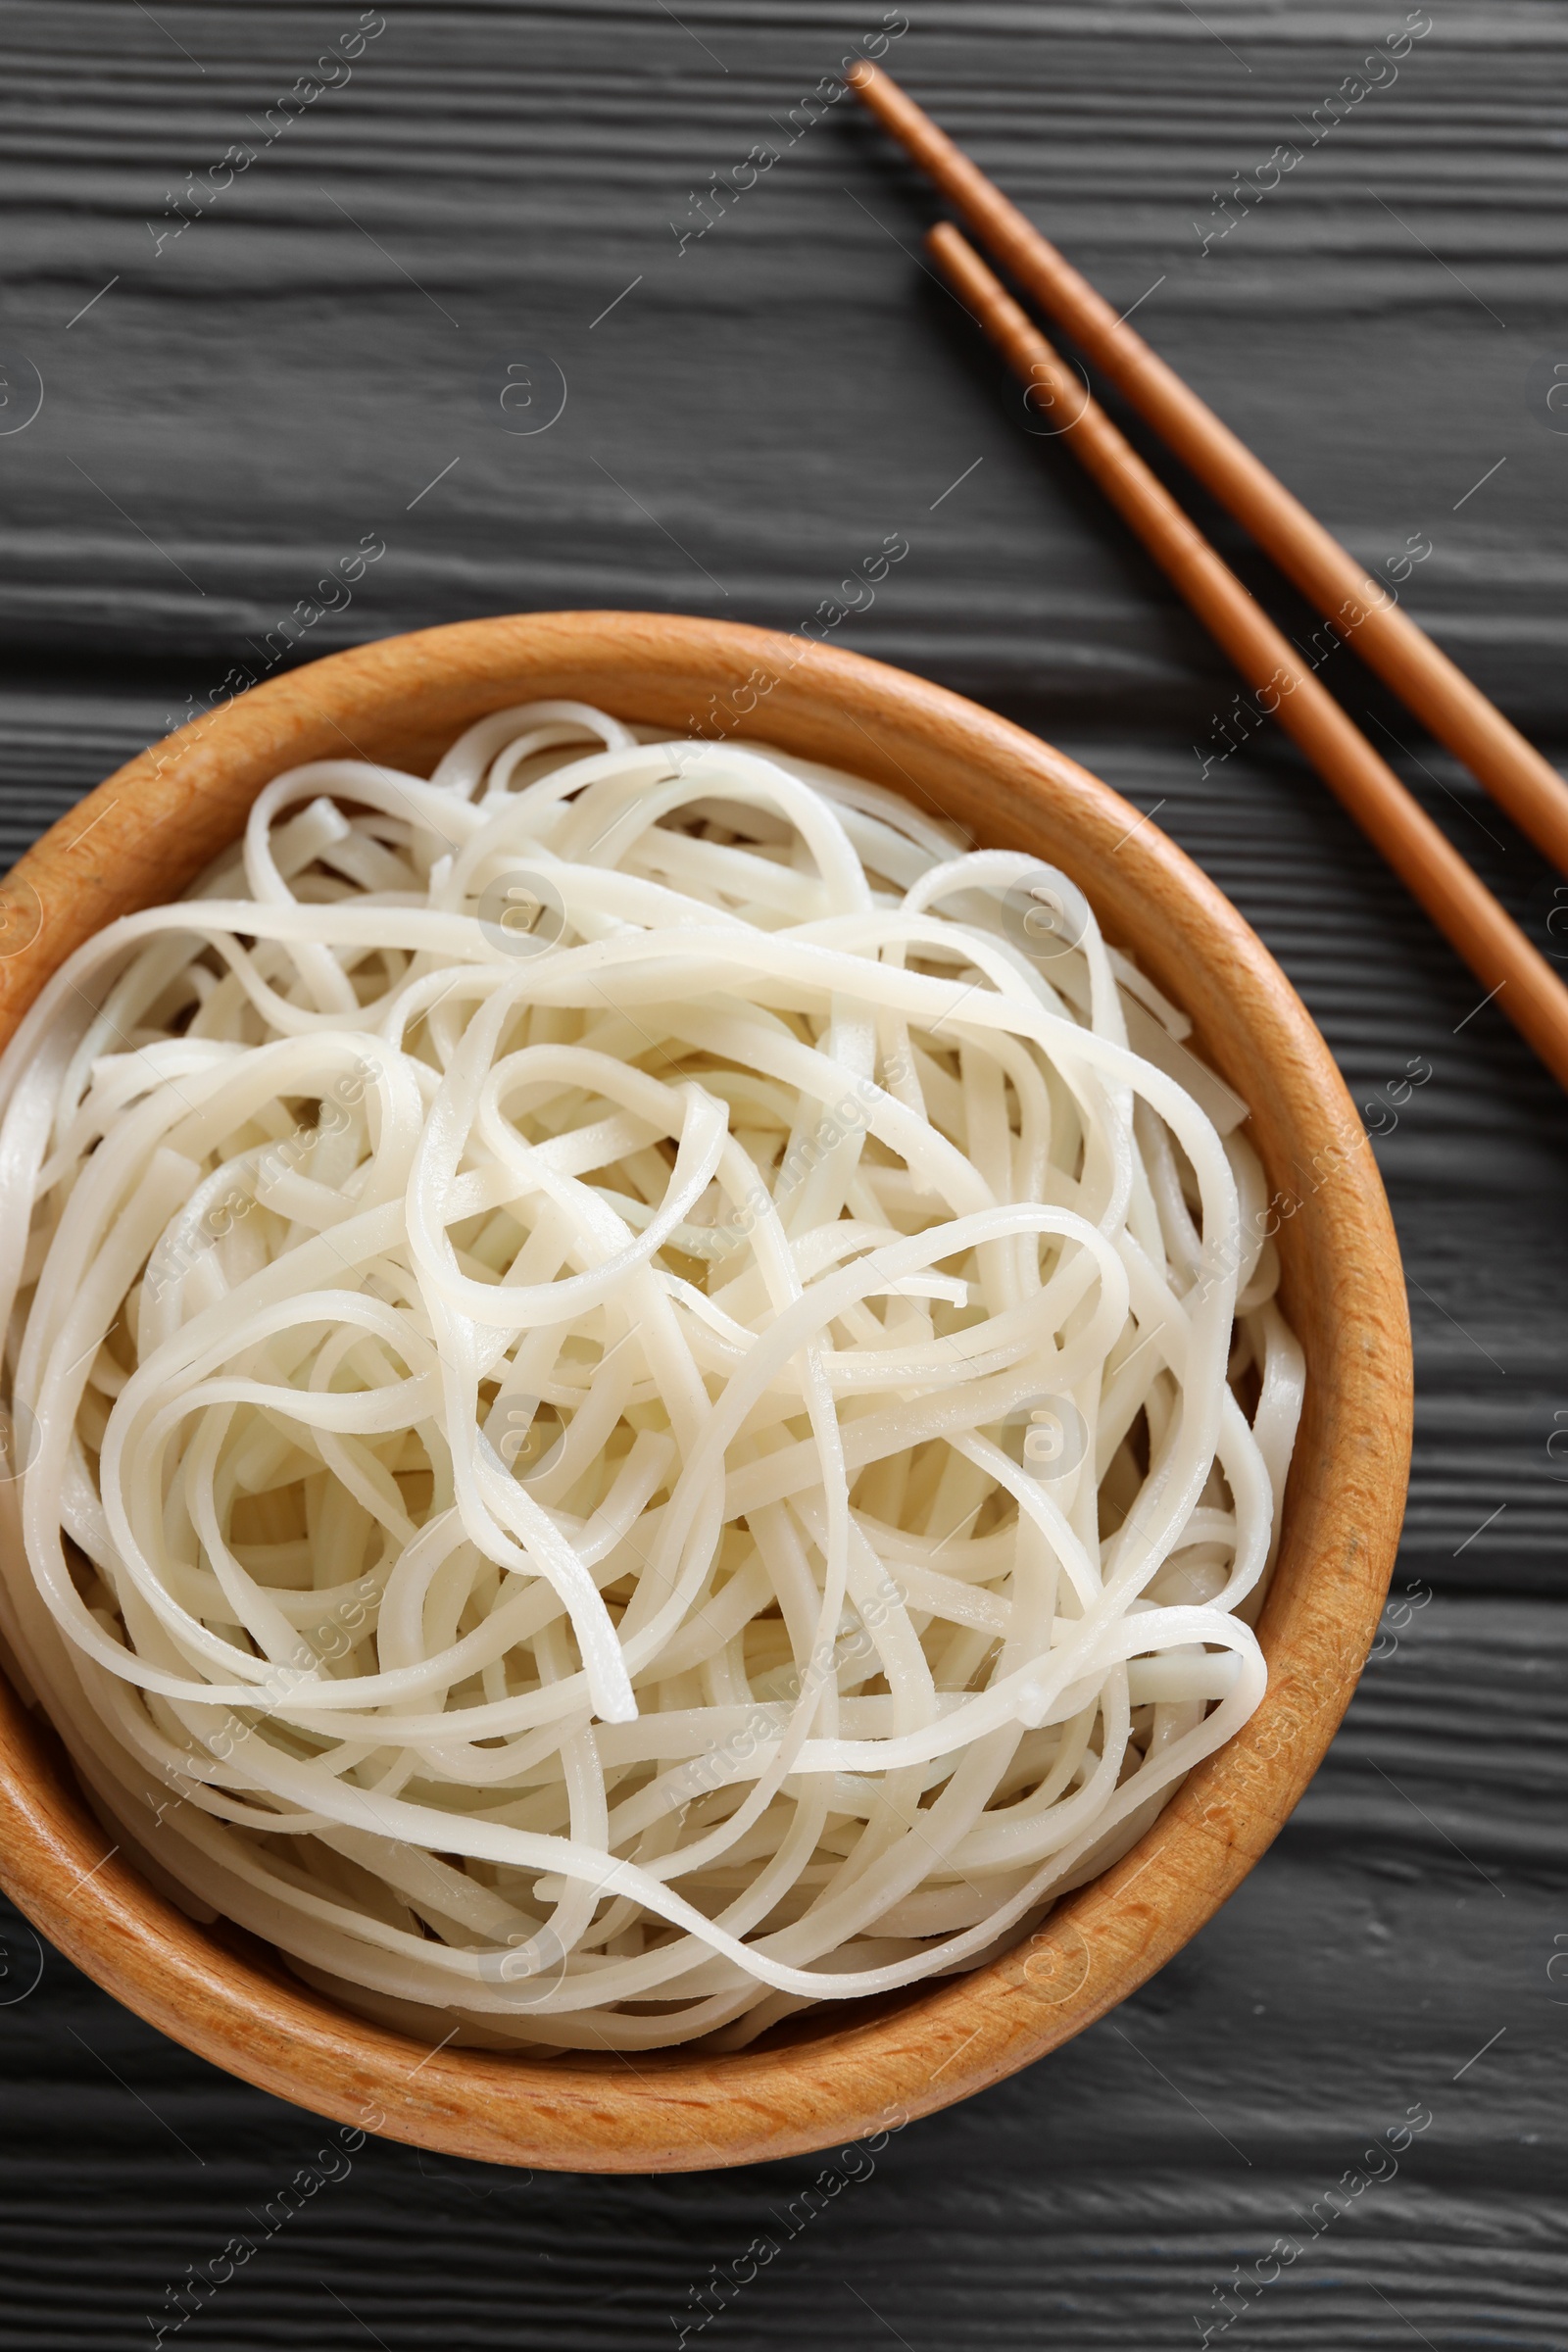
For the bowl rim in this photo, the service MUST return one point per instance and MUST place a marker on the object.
(160, 817)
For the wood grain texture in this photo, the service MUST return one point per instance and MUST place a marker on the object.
(840, 2075)
(779, 398)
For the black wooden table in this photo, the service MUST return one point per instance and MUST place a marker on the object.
(760, 385)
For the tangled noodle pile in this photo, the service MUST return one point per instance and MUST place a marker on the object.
(642, 1393)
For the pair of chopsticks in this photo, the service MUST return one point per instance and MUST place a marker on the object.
(1527, 988)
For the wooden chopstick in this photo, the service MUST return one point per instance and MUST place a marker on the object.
(1527, 988)
(1456, 712)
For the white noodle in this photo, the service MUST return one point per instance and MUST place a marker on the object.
(613, 1480)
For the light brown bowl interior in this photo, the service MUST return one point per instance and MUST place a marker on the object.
(842, 2072)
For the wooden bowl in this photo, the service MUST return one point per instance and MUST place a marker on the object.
(844, 2071)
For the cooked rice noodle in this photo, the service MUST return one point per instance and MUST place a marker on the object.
(609, 1480)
